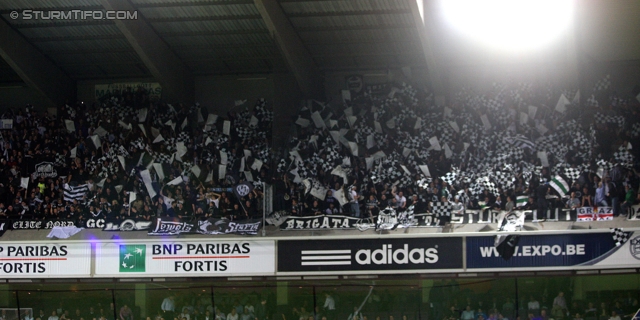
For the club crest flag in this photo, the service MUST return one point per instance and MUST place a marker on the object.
(242, 189)
(132, 257)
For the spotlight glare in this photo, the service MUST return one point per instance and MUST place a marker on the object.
(510, 25)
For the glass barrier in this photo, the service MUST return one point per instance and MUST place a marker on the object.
(597, 297)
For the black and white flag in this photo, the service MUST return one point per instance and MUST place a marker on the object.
(75, 193)
(242, 189)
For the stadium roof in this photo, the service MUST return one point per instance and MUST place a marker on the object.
(305, 37)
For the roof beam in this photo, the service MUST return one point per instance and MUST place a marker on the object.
(192, 4)
(83, 8)
(61, 23)
(422, 13)
(298, 59)
(77, 38)
(206, 18)
(348, 28)
(165, 66)
(346, 13)
(34, 68)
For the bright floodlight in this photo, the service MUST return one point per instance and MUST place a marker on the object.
(510, 25)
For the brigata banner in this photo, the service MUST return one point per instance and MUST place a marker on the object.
(185, 258)
(405, 219)
(542, 251)
(391, 254)
(44, 260)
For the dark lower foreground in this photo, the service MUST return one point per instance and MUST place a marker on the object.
(588, 297)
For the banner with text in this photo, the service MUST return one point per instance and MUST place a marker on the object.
(44, 260)
(172, 227)
(410, 254)
(185, 258)
(152, 89)
(542, 251)
(403, 220)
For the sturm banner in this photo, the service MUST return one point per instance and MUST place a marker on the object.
(185, 258)
(171, 227)
(562, 250)
(395, 254)
(44, 260)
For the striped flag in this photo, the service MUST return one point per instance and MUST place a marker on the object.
(75, 193)
(521, 200)
(561, 186)
(521, 142)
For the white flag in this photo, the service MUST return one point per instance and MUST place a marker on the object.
(226, 127)
(71, 127)
(142, 114)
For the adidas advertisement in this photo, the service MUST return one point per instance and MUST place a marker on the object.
(44, 260)
(185, 258)
(392, 254)
(604, 249)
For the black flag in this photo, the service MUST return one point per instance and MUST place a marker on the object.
(506, 245)
(242, 189)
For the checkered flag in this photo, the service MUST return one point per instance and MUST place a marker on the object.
(441, 209)
(602, 84)
(449, 178)
(60, 160)
(619, 236)
(606, 165)
(635, 129)
(623, 156)
(572, 173)
(592, 102)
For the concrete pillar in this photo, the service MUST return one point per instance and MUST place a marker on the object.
(282, 293)
(141, 299)
(285, 108)
(298, 59)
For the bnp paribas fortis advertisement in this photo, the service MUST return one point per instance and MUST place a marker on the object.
(185, 258)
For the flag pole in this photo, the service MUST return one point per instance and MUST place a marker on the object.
(264, 210)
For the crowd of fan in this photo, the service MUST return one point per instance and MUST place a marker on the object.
(385, 146)
(392, 146)
(93, 157)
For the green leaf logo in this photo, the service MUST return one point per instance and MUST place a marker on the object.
(132, 257)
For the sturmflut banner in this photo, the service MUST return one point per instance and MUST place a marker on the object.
(45, 260)
(153, 89)
(185, 258)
